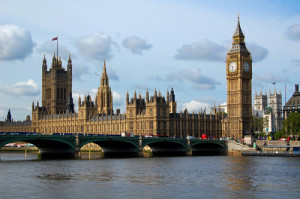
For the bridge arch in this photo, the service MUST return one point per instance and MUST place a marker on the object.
(168, 146)
(114, 146)
(49, 147)
(208, 148)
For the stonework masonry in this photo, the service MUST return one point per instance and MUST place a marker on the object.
(153, 114)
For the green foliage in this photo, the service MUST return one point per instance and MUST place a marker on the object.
(291, 125)
(260, 134)
(258, 124)
(279, 134)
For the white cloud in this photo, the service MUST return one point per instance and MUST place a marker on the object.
(136, 44)
(79, 71)
(49, 47)
(199, 80)
(269, 78)
(29, 87)
(97, 46)
(15, 42)
(195, 106)
(203, 50)
(113, 74)
(293, 32)
(117, 99)
(258, 52)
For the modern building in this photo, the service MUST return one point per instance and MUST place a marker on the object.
(150, 115)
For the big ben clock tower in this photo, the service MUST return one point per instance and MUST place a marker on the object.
(239, 86)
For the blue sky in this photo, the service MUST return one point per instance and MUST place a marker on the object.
(146, 44)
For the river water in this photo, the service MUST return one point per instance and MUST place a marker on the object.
(150, 178)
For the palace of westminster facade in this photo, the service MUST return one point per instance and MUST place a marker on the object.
(150, 115)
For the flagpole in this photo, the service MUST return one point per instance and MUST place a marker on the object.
(57, 46)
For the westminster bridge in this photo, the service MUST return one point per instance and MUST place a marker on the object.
(68, 146)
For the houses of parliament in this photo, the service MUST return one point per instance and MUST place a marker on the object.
(152, 114)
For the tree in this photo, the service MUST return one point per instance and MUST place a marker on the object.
(258, 124)
(291, 125)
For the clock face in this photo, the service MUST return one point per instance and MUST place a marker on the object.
(246, 67)
(232, 67)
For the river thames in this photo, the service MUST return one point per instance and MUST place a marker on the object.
(156, 177)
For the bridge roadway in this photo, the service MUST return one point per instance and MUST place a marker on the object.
(68, 146)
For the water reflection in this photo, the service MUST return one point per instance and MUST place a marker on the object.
(169, 177)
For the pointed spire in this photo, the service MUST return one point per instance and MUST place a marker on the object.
(44, 60)
(69, 60)
(147, 96)
(104, 67)
(168, 96)
(238, 31)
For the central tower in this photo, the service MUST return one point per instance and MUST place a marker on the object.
(104, 98)
(239, 86)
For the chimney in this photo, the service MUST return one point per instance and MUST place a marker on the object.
(296, 88)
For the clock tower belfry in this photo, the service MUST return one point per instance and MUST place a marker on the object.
(239, 87)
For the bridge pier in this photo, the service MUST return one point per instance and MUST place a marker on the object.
(77, 154)
(189, 153)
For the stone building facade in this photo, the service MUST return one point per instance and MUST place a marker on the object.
(269, 107)
(154, 114)
(239, 87)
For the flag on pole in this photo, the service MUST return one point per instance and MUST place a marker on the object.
(53, 39)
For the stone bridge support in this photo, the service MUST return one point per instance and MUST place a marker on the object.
(77, 154)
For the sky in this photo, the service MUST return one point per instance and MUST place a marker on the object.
(147, 44)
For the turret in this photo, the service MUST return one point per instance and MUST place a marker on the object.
(8, 118)
(168, 96)
(134, 97)
(54, 61)
(127, 98)
(147, 96)
(79, 101)
(155, 95)
(44, 66)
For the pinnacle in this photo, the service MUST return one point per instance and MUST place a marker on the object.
(238, 31)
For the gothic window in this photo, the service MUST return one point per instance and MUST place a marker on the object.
(150, 112)
(151, 124)
(131, 125)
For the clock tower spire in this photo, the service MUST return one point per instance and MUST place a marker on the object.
(239, 86)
